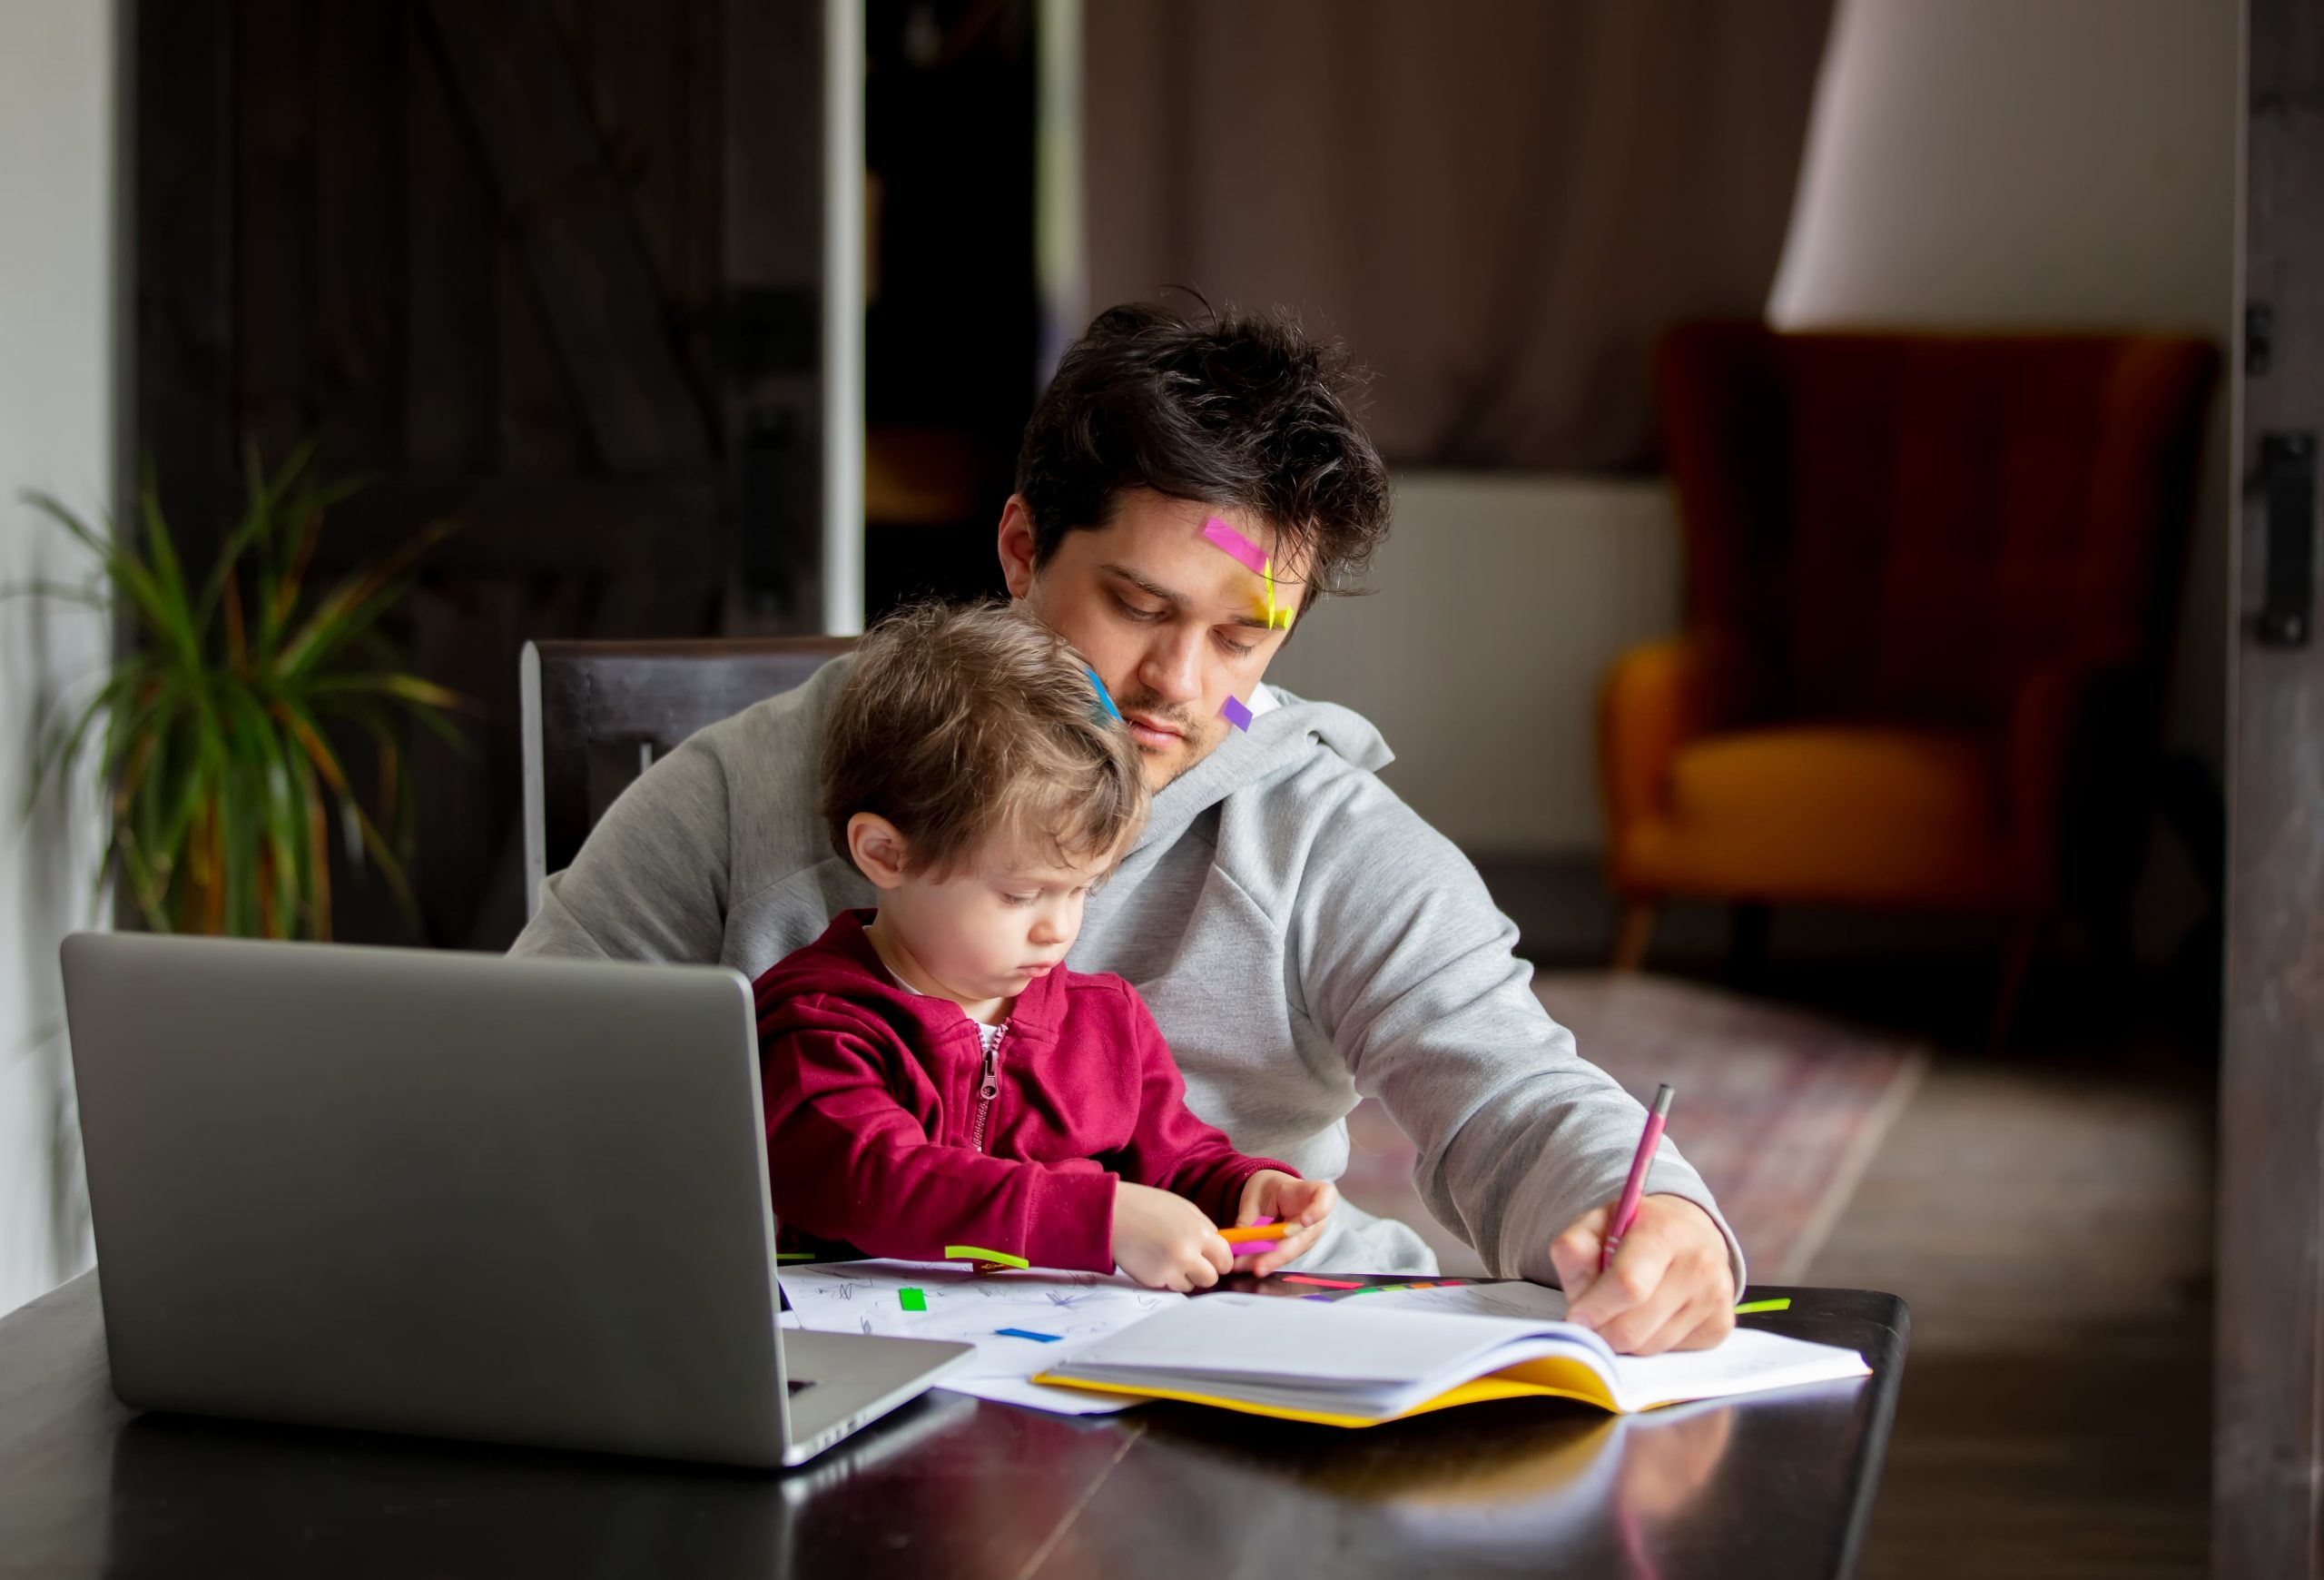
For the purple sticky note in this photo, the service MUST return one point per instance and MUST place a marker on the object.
(1236, 544)
(1233, 711)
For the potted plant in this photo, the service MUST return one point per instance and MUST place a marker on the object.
(219, 728)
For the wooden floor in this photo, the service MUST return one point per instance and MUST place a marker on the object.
(2048, 1217)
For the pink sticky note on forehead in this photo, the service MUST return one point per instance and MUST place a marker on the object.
(1236, 544)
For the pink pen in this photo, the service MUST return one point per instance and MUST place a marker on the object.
(1626, 1208)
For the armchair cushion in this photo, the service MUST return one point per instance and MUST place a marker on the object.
(1837, 814)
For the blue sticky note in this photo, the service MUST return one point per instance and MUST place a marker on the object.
(1106, 696)
(1029, 1333)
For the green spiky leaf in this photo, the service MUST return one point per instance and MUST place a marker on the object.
(215, 735)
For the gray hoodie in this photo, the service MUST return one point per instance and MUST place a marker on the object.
(1303, 938)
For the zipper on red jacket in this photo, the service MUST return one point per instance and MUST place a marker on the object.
(988, 1087)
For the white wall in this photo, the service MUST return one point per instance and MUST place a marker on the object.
(57, 361)
(2006, 162)
(1502, 600)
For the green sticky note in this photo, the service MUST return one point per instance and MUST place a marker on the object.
(912, 1299)
(1748, 1306)
(794, 1256)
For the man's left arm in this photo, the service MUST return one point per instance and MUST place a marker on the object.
(1525, 1145)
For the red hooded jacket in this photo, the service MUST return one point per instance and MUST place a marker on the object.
(886, 1131)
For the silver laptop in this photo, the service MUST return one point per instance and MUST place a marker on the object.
(458, 1195)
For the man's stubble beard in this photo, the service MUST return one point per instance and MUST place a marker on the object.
(1195, 739)
(1186, 765)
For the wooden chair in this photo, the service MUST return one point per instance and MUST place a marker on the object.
(596, 714)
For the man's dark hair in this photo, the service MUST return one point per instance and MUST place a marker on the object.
(1229, 409)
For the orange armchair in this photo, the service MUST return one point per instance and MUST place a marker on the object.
(1929, 589)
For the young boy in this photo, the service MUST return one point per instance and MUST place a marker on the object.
(934, 1077)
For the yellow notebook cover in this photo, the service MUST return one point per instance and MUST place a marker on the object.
(1545, 1379)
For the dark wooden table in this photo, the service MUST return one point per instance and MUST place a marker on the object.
(952, 1486)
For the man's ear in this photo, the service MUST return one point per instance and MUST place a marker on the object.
(1017, 546)
(878, 849)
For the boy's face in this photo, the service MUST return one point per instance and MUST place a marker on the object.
(993, 923)
(1174, 624)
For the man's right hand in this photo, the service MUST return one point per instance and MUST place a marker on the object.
(1166, 1241)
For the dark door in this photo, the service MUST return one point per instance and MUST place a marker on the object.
(548, 267)
(2270, 1449)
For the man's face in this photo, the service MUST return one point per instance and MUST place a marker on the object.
(1174, 624)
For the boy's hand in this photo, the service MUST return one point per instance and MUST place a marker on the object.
(1671, 1287)
(1166, 1241)
(1301, 1206)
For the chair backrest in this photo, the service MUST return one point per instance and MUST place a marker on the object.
(1910, 523)
(595, 716)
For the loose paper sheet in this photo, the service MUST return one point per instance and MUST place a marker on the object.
(972, 1308)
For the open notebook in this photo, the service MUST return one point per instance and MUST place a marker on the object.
(1360, 1362)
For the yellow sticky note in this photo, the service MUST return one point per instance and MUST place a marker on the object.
(1277, 618)
(976, 1253)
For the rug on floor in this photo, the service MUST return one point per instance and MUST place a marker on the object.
(1778, 1107)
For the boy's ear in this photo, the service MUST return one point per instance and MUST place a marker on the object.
(878, 849)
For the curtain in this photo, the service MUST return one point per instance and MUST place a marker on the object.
(1497, 203)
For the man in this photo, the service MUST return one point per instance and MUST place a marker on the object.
(1300, 936)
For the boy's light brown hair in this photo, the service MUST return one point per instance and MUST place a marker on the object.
(962, 723)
